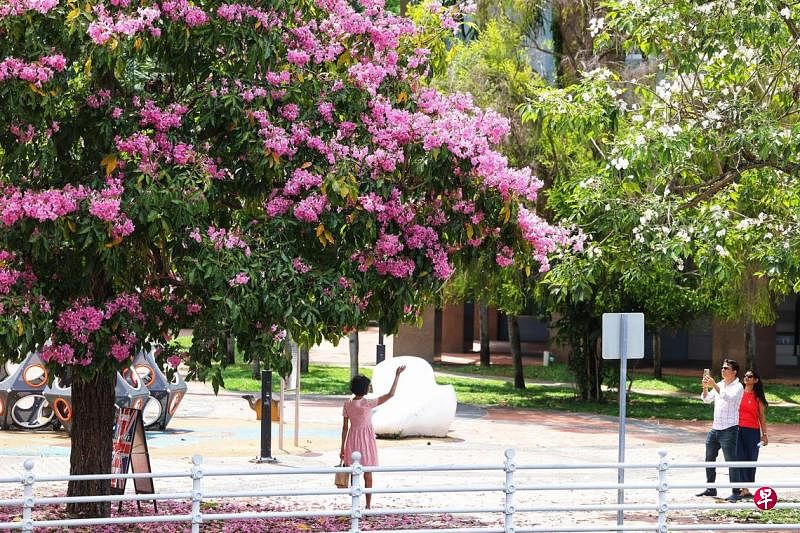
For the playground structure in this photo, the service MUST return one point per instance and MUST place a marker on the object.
(27, 401)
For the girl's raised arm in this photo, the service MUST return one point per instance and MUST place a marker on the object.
(385, 397)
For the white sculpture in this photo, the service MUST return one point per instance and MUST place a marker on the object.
(420, 406)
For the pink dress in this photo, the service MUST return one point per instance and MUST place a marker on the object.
(361, 436)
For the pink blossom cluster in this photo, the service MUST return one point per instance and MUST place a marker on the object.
(18, 7)
(277, 205)
(39, 205)
(8, 278)
(361, 302)
(300, 266)
(25, 133)
(311, 207)
(222, 238)
(106, 26)
(239, 12)
(239, 279)
(190, 14)
(38, 72)
(55, 203)
(106, 209)
(128, 303)
(300, 181)
(386, 255)
(80, 321)
(388, 245)
(278, 334)
(504, 256)
(98, 99)
(122, 345)
(175, 359)
(545, 238)
(62, 354)
(153, 150)
(161, 119)
(14, 275)
(420, 58)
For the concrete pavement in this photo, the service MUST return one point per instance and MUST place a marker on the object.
(224, 431)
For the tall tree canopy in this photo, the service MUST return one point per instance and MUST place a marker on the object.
(236, 168)
(679, 163)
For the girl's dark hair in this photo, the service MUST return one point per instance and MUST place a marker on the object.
(359, 385)
(758, 387)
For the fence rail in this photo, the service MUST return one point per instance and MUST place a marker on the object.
(515, 504)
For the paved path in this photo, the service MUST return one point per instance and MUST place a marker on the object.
(223, 429)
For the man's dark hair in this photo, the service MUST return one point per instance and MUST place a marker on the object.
(359, 385)
(733, 364)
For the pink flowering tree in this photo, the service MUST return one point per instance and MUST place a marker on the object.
(242, 169)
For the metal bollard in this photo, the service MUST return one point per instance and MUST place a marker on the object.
(197, 492)
(509, 466)
(356, 490)
(663, 487)
(28, 479)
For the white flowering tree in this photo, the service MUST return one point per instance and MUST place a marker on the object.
(681, 166)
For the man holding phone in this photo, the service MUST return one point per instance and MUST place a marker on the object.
(726, 396)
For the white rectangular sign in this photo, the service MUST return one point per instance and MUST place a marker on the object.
(623, 335)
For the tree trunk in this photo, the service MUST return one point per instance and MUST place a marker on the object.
(303, 360)
(92, 436)
(483, 322)
(353, 353)
(516, 351)
(403, 6)
(255, 368)
(657, 355)
(750, 346)
(230, 350)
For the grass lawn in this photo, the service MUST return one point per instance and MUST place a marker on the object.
(555, 391)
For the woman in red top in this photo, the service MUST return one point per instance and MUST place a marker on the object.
(752, 428)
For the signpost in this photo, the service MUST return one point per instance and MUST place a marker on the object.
(130, 451)
(623, 339)
(266, 418)
(380, 349)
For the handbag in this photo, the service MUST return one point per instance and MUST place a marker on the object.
(342, 479)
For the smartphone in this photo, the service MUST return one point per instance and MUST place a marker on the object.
(706, 372)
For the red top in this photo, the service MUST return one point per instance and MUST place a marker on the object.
(748, 411)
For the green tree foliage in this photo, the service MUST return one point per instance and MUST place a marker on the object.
(680, 167)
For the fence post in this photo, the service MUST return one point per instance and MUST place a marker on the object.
(28, 479)
(197, 490)
(663, 486)
(356, 490)
(509, 466)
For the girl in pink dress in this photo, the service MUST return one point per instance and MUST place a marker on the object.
(358, 435)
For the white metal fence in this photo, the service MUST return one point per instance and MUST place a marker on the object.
(653, 492)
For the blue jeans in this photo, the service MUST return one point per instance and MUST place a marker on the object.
(725, 439)
(747, 450)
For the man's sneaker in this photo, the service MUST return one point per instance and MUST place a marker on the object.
(707, 492)
(733, 498)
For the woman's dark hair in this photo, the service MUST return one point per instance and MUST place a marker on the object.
(758, 387)
(359, 385)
